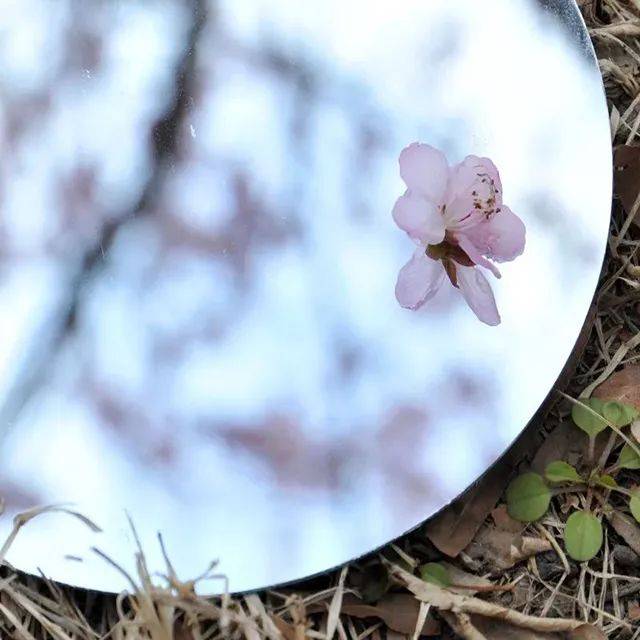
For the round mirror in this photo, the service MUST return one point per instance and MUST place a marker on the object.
(198, 264)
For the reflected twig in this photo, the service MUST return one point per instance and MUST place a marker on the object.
(164, 146)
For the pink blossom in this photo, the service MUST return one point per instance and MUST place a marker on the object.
(456, 217)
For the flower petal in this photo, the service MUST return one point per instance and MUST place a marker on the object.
(418, 280)
(478, 294)
(425, 171)
(502, 237)
(468, 246)
(420, 218)
(485, 166)
(473, 190)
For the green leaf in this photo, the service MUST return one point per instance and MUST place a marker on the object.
(435, 574)
(628, 458)
(634, 504)
(618, 413)
(606, 481)
(561, 471)
(631, 411)
(582, 535)
(528, 497)
(591, 424)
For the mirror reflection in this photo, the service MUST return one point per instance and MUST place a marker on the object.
(198, 262)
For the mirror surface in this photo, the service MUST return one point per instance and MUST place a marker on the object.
(198, 261)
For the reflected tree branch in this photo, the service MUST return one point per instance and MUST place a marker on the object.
(165, 136)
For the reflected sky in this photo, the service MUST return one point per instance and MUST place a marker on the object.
(197, 269)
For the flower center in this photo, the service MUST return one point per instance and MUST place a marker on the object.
(449, 249)
(486, 201)
(451, 254)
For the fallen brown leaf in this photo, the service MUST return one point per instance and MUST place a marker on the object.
(288, 631)
(463, 582)
(556, 446)
(394, 635)
(625, 557)
(586, 632)
(504, 522)
(626, 528)
(181, 631)
(399, 611)
(566, 442)
(633, 611)
(501, 550)
(498, 630)
(454, 528)
(623, 385)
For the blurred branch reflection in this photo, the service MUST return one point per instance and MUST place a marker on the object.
(164, 143)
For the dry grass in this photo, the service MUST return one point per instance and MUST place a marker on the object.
(548, 585)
